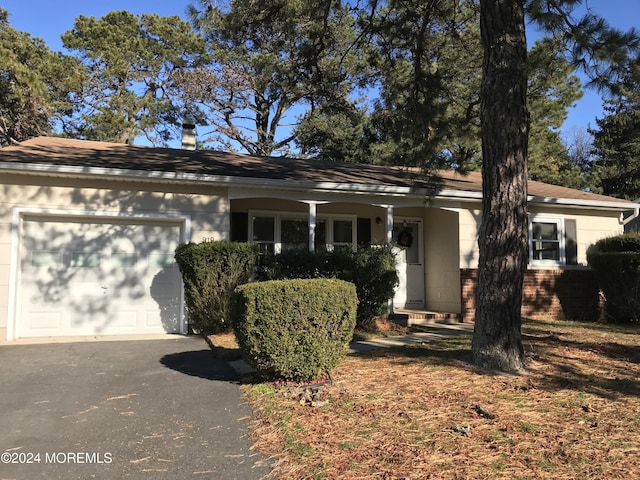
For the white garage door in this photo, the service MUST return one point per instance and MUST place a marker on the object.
(98, 277)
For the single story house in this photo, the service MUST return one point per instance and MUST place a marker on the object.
(88, 231)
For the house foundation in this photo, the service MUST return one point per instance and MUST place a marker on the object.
(554, 294)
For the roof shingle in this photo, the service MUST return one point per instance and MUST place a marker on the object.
(81, 153)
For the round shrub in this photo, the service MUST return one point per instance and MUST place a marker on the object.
(371, 270)
(294, 329)
(629, 242)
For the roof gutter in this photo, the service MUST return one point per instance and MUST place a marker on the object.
(549, 201)
(582, 203)
(202, 179)
(256, 182)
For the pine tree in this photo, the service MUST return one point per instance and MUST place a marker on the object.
(502, 240)
(617, 140)
(269, 58)
(428, 56)
(129, 61)
(552, 88)
(34, 84)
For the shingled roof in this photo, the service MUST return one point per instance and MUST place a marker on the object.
(61, 152)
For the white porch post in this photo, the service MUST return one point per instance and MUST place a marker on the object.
(389, 232)
(312, 226)
(389, 225)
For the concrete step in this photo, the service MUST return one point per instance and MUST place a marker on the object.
(408, 318)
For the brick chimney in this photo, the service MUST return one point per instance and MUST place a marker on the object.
(188, 135)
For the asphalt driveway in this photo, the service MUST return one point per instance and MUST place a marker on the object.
(150, 409)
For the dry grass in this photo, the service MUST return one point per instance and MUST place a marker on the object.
(413, 413)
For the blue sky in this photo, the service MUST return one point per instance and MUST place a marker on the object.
(48, 20)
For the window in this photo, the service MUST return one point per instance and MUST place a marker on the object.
(41, 259)
(264, 233)
(161, 260)
(294, 233)
(411, 251)
(343, 233)
(545, 240)
(276, 232)
(85, 259)
(124, 260)
(552, 241)
(336, 233)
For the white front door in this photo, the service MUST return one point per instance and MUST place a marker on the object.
(407, 245)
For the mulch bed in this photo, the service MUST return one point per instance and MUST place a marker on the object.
(425, 412)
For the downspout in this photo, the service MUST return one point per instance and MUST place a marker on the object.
(624, 221)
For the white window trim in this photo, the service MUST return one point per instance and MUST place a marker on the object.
(276, 222)
(328, 218)
(330, 231)
(559, 221)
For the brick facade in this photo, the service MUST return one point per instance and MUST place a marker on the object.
(547, 294)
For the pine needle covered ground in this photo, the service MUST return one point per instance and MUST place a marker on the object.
(424, 411)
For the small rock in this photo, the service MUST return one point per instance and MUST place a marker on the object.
(483, 413)
(464, 431)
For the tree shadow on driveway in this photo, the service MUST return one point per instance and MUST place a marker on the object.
(202, 364)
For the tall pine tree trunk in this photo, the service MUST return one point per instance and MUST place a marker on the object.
(497, 342)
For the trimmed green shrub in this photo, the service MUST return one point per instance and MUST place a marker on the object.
(294, 329)
(210, 273)
(616, 261)
(629, 242)
(371, 270)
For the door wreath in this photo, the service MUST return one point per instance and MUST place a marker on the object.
(405, 239)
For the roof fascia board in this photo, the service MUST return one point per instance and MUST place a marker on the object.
(547, 201)
(567, 202)
(254, 182)
(159, 176)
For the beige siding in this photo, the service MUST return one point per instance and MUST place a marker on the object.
(591, 225)
(268, 204)
(592, 228)
(469, 223)
(442, 272)
(206, 206)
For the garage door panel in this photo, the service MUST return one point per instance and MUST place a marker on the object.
(169, 319)
(82, 289)
(98, 277)
(126, 319)
(44, 321)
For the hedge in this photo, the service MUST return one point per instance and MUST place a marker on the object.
(629, 242)
(616, 261)
(371, 270)
(210, 273)
(294, 329)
